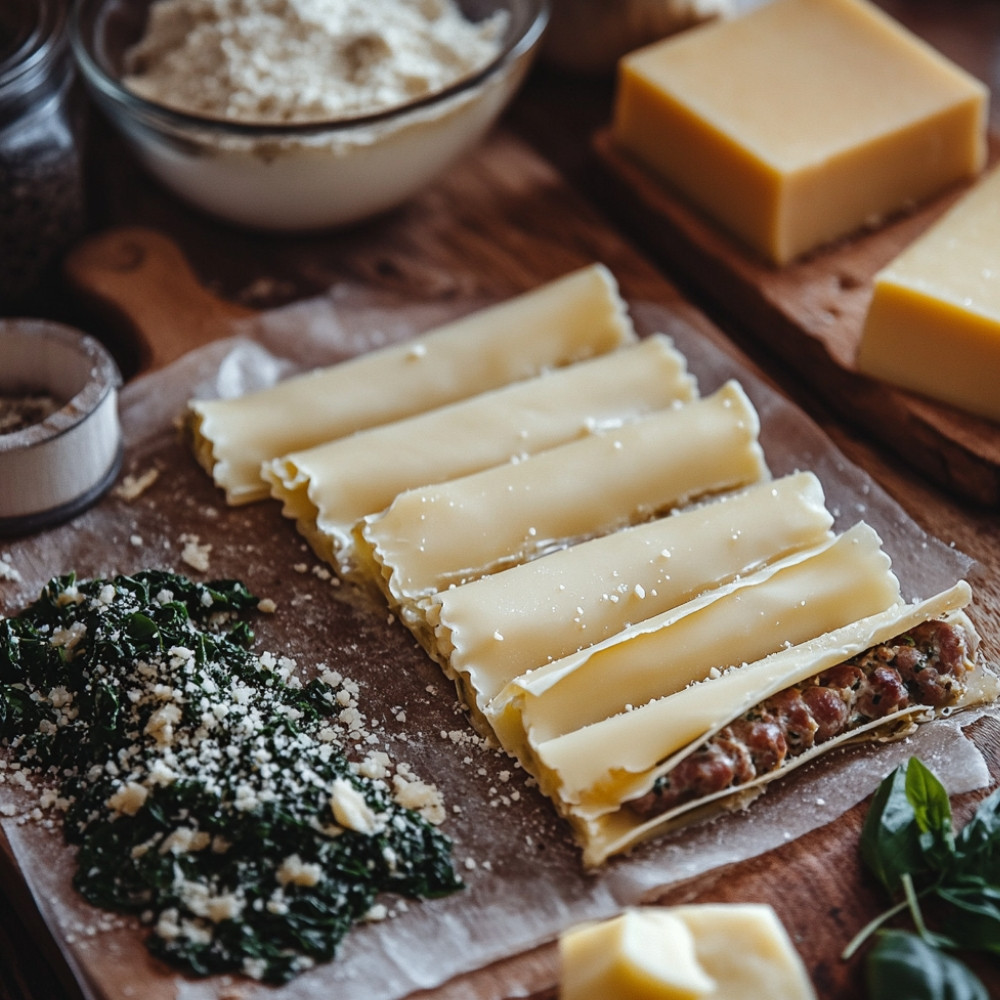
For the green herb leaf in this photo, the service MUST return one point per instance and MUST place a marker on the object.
(891, 844)
(975, 922)
(902, 965)
(977, 846)
(932, 810)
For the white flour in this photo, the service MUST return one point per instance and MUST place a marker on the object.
(304, 60)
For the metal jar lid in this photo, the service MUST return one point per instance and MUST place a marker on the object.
(55, 467)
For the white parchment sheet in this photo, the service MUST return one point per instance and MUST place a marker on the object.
(523, 875)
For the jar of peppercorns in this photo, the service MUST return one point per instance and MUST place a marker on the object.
(41, 176)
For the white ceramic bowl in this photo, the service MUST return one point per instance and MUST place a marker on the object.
(55, 468)
(300, 177)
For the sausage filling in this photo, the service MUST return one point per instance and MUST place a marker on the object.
(925, 666)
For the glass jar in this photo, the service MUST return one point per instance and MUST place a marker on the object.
(41, 175)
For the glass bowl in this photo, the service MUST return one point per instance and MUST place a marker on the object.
(302, 176)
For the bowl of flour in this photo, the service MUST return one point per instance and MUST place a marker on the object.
(300, 115)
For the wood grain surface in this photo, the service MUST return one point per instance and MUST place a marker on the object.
(528, 206)
(811, 313)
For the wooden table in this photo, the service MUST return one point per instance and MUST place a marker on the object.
(528, 211)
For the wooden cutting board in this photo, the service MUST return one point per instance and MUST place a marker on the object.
(810, 315)
(501, 224)
(141, 282)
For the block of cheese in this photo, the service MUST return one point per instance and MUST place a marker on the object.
(721, 951)
(800, 121)
(575, 317)
(638, 955)
(788, 602)
(746, 950)
(933, 325)
(488, 632)
(329, 488)
(439, 536)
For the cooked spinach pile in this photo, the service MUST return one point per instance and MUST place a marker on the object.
(202, 784)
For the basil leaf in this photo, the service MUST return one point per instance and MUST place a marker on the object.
(932, 810)
(975, 922)
(902, 965)
(977, 846)
(890, 838)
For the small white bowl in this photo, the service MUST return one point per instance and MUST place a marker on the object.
(53, 469)
(301, 177)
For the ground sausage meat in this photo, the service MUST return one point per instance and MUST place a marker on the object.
(925, 666)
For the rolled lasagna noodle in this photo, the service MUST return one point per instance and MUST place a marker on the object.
(593, 773)
(488, 632)
(788, 602)
(575, 317)
(328, 489)
(438, 536)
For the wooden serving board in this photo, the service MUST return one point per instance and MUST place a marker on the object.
(501, 224)
(810, 315)
(140, 279)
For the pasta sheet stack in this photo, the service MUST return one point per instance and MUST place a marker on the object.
(597, 555)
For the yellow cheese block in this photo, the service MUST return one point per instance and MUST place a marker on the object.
(734, 951)
(800, 121)
(934, 321)
(639, 955)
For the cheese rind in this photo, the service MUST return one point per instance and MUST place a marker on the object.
(439, 536)
(329, 488)
(933, 325)
(574, 317)
(487, 632)
(800, 121)
(725, 951)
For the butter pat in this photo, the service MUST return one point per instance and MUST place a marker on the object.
(800, 121)
(722, 951)
(934, 322)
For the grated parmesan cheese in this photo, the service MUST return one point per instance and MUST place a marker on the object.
(215, 788)
(280, 61)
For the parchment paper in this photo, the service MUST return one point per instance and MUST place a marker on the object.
(523, 874)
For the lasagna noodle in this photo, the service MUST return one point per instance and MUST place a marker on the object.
(488, 632)
(788, 602)
(431, 538)
(599, 768)
(575, 317)
(329, 488)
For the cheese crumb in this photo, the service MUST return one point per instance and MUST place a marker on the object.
(294, 871)
(132, 487)
(350, 809)
(194, 553)
(129, 799)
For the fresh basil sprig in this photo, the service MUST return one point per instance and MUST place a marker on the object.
(904, 965)
(909, 843)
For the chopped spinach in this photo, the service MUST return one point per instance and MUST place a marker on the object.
(199, 780)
